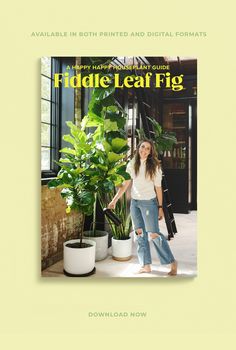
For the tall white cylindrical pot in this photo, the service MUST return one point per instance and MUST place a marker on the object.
(101, 243)
(122, 249)
(79, 261)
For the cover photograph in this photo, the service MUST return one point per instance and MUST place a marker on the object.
(118, 167)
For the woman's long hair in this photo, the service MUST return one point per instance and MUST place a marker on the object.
(152, 161)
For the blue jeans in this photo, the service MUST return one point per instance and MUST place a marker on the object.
(144, 214)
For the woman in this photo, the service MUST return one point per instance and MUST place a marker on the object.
(146, 206)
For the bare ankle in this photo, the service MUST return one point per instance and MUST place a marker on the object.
(173, 270)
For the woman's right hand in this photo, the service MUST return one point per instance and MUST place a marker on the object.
(112, 204)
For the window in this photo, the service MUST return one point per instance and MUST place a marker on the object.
(49, 117)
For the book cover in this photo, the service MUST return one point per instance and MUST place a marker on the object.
(95, 113)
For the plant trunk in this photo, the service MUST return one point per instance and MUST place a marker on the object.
(81, 233)
(103, 203)
(94, 215)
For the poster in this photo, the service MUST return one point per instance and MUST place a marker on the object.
(48, 313)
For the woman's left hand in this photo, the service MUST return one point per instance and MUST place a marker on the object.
(160, 214)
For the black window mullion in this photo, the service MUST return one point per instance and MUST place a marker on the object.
(54, 123)
(55, 119)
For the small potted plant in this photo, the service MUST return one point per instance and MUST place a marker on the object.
(121, 239)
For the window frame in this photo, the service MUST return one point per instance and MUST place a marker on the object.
(55, 126)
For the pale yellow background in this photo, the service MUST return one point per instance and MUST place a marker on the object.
(52, 313)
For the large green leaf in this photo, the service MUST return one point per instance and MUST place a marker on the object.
(111, 112)
(54, 183)
(106, 146)
(100, 93)
(114, 115)
(65, 177)
(121, 122)
(157, 126)
(64, 160)
(70, 139)
(113, 109)
(124, 174)
(108, 101)
(95, 106)
(79, 182)
(113, 157)
(92, 172)
(94, 180)
(86, 198)
(74, 130)
(163, 140)
(98, 159)
(102, 167)
(68, 151)
(78, 170)
(64, 167)
(170, 137)
(118, 144)
(128, 224)
(119, 168)
(94, 120)
(118, 180)
(77, 132)
(121, 165)
(113, 134)
(107, 185)
(65, 185)
(84, 122)
(110, 126)
(124, 149)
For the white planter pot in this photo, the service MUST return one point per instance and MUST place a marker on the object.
(101, 244)
(79, 261)
(122, 249)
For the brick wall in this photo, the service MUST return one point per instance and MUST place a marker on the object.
(56, 226)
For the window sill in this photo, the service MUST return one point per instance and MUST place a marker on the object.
(46, 180)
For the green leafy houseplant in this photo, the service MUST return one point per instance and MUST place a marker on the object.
(164, 140)
(121, 232)
(88, 168)
(74, 177)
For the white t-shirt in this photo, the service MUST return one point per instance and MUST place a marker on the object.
(143, 187)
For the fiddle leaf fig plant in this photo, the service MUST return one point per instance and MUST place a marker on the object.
(94, 163)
